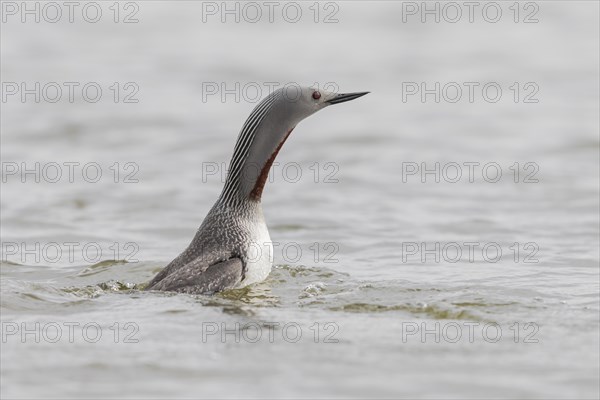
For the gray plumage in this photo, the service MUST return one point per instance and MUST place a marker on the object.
(216, 256)
(232, 247)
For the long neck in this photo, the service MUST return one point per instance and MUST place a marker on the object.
(257, 146)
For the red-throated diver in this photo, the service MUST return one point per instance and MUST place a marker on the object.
(232, 247)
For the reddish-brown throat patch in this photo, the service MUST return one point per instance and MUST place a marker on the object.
(256, 192)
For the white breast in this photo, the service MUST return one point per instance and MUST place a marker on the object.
(259, 256)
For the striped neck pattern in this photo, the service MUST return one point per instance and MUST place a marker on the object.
(232, 194)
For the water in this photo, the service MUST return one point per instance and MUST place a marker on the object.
(375, 319)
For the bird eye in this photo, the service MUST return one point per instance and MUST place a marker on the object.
(316, 95)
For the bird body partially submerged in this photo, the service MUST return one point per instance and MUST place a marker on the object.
(232, 239)
(232, 247)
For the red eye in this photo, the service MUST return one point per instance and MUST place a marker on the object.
(316, 95)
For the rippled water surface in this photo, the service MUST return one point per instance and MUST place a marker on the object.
(361, 302)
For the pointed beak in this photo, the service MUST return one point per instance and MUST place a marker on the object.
(340, 98)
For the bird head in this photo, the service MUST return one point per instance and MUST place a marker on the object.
(267, 129)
